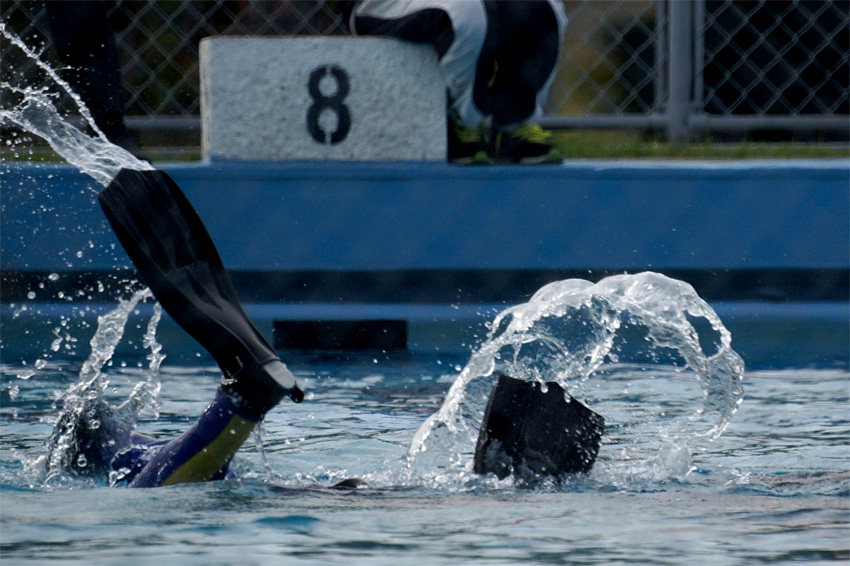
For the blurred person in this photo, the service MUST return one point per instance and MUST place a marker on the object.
(498, 60)
(85, 43)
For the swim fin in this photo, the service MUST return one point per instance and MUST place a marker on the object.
(178, 261)
(531, 431)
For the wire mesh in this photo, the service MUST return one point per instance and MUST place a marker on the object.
(753, 58)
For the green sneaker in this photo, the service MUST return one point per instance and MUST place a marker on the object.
(527, 144)
(467, 146)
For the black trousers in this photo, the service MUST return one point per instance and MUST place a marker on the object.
(512, 65)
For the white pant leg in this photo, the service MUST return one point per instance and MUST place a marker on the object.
(458, 64)
(543, 93)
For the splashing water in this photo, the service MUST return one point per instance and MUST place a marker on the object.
(36, 112)
(85, 415)
(86, 421)
(586, 337)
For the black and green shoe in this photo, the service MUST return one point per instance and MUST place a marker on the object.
(527, 144)
(467, 146)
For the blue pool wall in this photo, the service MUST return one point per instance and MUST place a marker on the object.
(390, 216)
(438, 243)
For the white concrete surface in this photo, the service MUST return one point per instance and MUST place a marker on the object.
(280, 99)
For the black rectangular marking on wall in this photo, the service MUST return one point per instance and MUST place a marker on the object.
(384, 335)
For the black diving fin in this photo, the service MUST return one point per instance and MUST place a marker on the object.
(535, 430)
(178, 261)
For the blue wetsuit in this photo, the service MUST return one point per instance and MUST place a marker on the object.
(202, 453)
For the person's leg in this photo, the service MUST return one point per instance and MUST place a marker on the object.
(456, 29)
(200, 454)
(169, 245)
(415, 21)
(524, 40)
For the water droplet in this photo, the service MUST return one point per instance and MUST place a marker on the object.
(31, 295)
(40, 364)
(82, 462)
(26, 374)
(53, 277)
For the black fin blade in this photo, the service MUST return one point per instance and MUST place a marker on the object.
(169, 245)
(532, 433)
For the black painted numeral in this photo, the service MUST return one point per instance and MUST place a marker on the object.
(333, 103)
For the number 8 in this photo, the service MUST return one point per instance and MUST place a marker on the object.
(331, 102)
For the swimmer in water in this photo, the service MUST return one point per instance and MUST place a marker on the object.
(177, 260)
(101, 446)
(528, 430)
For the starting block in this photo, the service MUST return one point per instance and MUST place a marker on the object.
(321, 98)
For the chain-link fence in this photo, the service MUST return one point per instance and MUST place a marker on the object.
(682, 67)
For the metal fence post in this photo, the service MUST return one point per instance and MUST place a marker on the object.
(679, 70)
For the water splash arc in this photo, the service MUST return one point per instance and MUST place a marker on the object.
(578, 333)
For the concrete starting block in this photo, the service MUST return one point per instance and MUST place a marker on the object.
(320, 98)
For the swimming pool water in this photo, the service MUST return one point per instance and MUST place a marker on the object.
(774, 488)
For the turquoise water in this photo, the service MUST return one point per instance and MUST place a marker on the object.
(774, 487)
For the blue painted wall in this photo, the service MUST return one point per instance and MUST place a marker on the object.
(390, 216)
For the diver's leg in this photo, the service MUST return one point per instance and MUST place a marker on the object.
(204, 451)
(177, 259)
